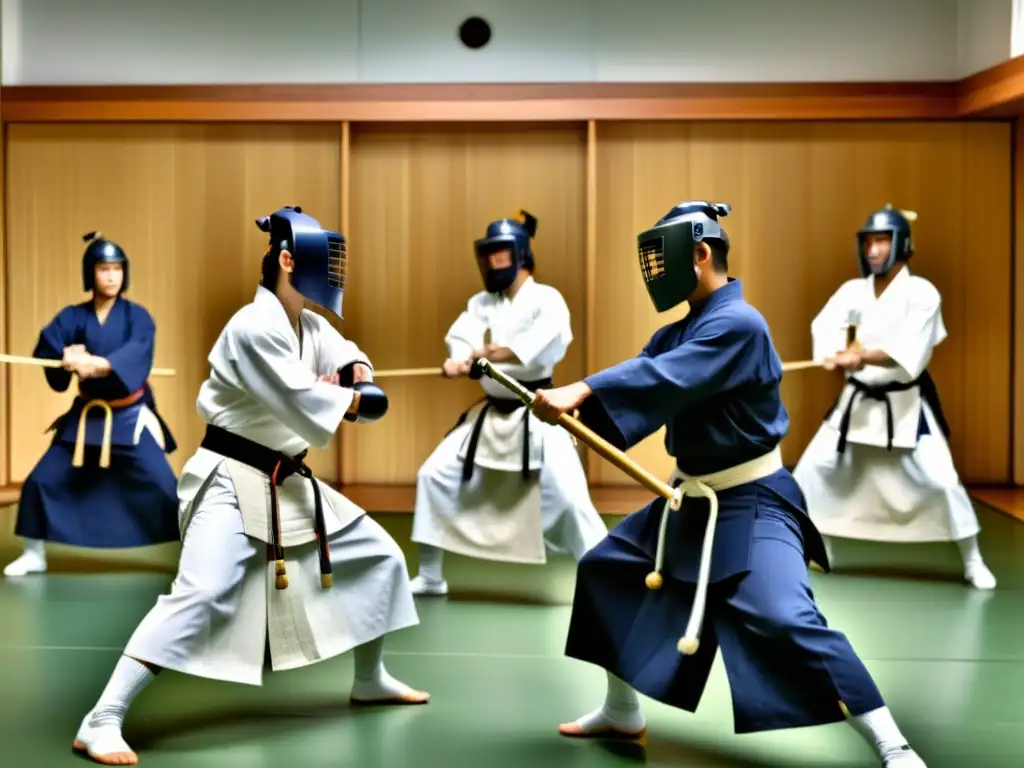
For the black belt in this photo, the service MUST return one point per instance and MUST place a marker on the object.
(504, 406)
(278, 467)
(881, 393)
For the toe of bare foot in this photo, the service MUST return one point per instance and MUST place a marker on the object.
(111, 758)
(575, 730)
(116, 758)
(406, 697)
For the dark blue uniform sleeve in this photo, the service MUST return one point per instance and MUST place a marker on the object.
(131, 363)
(61, 332)
(635, 398)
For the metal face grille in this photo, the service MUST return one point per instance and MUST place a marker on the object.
(337, 263)
(652, 259)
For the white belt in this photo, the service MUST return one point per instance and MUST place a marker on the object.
(706, 486)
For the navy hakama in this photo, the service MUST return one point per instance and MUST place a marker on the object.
(713, 379)
(134, 501)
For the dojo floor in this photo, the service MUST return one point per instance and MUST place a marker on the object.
(950, 661)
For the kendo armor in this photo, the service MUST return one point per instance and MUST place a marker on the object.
(321, 256)
(666, 250)
(897, 225)
(100, 251)
(514, 234)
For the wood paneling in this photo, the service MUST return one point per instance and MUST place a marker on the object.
(420, 196)
(5, 438)
(182, 200)
(1009, 501)
(485, 102)
(1018, 315)
(799, 192)
(996, 91)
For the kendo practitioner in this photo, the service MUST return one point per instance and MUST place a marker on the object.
(93, 489)
(271, 556)
(712, 379)
(879, 467)
(501, 485)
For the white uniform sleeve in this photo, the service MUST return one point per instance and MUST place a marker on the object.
(272, 373)
(334, 351)
(545, 340)
(467, 332)
(828, 329)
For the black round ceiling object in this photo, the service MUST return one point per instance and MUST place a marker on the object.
(475, 32)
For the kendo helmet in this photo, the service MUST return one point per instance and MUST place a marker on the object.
(513, 234)
(894, 223)
(321, 256)
(100, 251)
(666, 250)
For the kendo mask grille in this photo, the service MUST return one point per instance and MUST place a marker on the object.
(652, 259)
(337, 262)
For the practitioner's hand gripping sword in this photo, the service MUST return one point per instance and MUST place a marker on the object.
(673, 496)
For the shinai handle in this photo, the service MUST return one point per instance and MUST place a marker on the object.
(402, 372)
(46, 363)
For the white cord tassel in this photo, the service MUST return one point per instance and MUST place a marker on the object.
(690, 642)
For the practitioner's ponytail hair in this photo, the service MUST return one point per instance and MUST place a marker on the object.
(270, 268)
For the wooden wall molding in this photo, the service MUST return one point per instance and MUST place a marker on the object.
(486, 102)
(994, 92)
(997, 92)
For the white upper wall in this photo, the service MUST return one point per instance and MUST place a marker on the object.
(985, 28)
(416, 41)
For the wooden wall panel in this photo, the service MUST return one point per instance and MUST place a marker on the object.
(181, 199)
(1018, 315)
(5, 439)
(799, 192)
(420, 196)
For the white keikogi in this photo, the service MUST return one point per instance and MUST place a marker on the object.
(269, 397)
(879, 467)
(503, 485)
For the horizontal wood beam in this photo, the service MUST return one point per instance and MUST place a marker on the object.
(995, 92)
(484, 102)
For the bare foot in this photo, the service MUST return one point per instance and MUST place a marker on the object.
(105, 746)
(404, 697)
(576, 731)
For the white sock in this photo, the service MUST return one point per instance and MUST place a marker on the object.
(372, 680)
(31, 560)
(129, 677)
(621, 710)
(970, 551)
(35, 547)
(975, 570)
(431, 559)
(880, 731)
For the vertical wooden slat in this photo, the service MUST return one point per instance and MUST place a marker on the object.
(6, 440)
(344, 157)
(1018, 304)
(590, 354)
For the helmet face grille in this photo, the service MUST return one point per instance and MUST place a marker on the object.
(337, 262)
(652, 259)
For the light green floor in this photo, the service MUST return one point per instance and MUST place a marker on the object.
(949, 660)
